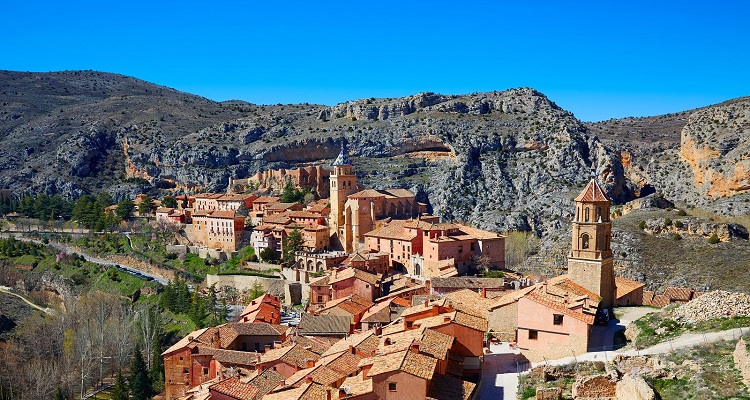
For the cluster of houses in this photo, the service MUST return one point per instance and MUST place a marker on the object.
(432, 350)
(389, 317)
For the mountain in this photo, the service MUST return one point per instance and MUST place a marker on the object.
(500, 160)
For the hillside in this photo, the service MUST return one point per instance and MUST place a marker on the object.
(499, 160)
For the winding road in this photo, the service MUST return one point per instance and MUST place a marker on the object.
(60, 246)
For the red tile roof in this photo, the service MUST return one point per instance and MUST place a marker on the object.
(592, 193)
(232, 387)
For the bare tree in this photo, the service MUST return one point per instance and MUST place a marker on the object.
(148, 323)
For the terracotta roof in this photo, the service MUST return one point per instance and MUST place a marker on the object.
(344, 363)
(362, 341)
(465, 282)
(320, 374)
(277, 219)
(307, 391)
(263, 309)
(235, 389)
(561, 285)
(419, 365)
(458, 317)
(648, 297)
(399, 192)
(324, 324)
(480, 234)
(473, 302)
(228, 332)
(322, 281)
(552, 303)
(295, 355)
(266, 199)
(281, 206)
(356, 385)
(592, 192)
(353, 304)
(350, 272)
(679, 294)
(223, 214)
(660, 300)
(446, 387)
(626, 286)
(233, 357)
(401, 291)
(310, 343)
(394, 230)
(374, 313)
(431, 342)
(367, 193)
(185, 341)
(266, 381)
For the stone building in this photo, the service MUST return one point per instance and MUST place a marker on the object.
(343, 182)
(314, 178)
(590, 262)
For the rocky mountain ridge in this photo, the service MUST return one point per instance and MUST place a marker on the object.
(500, 160)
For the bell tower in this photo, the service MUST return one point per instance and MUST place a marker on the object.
(590, 260)
(343, 182)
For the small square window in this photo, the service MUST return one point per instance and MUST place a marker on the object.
(205, 371)
(392, 386)
(557, 319)
(533, 335)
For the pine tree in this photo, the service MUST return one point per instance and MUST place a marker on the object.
(140, 386)
(156, 375)
(293, 244)
(120, 389)
(59, 395)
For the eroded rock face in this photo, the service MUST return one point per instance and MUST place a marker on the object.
(714, 144)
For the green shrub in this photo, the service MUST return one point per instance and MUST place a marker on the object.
(676, 236)
(678, 224)
(713, 239)
(642, 225)
(681, 213)
(667, 222)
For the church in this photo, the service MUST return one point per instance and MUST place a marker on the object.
(354, 212)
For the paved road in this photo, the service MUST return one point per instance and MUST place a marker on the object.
(500, 373)
(127, 268)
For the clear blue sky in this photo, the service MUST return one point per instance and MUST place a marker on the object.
(598, 59)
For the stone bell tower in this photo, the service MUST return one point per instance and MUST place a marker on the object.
(590, 260)
(343, 182)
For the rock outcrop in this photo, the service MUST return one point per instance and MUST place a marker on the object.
(712, 305)
(742, 360)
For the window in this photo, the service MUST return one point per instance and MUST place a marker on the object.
(533, 335)
(586, 213)
(557, 319)
(409, 324)
(585, 241)
(185, 371)
(392, 386)
(471, 246)
(460, 249)
(205, 371)
(320, 299)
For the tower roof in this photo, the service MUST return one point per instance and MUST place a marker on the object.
(343, 158)
(592, 192)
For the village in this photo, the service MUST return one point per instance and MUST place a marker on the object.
(396, 304)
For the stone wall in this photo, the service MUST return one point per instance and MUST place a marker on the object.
(598, 387)
(742, 361)
(549, 393)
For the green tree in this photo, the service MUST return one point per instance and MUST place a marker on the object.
(124, 208)
(268, 255)
(156, 375)
(59, 394)
(713, 239)
(255, 291)
(140, 386)
(146, 206)
(120, 389)
(293, 243)
(169, 201)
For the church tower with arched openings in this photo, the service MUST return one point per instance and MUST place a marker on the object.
(590, 260)
(343, 182)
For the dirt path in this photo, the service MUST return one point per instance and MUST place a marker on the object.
(5, 289)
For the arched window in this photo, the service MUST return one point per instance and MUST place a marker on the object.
(585, 240)
(599, 214)
(417, 269)
(586, 212)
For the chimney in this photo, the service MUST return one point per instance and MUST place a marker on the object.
(276, 344)
(282, 384)
(328, 394)
(378, 330)
(447, 318)
(366, 371)
(426, 302)
(310, 363)
(544, 287)
(351, 350)
(415, 346)
(484, 292)
(257, 357)
(217, 339)
(309, 379)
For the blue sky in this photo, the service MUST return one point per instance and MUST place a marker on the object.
(598, 59)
